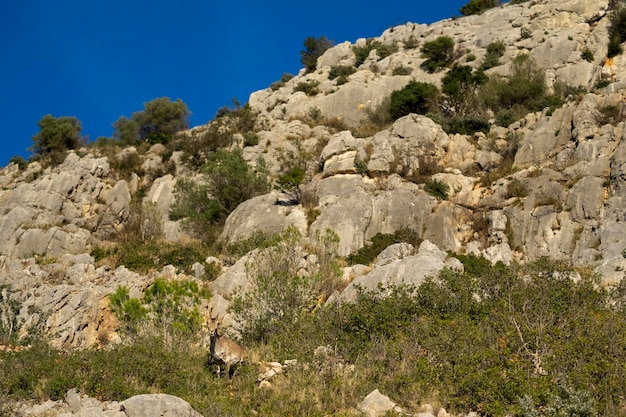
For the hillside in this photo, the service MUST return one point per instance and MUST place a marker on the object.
(464, 177)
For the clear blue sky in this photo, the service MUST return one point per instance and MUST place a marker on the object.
(97, 60)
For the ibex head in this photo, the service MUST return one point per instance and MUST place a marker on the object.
(214, 323)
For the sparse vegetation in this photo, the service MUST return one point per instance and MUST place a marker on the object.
(368, 253)
(495, 50)
(617, 31)
(308, 87)
(437, 189)
(382, 50)
(587, 55)
(341, 73)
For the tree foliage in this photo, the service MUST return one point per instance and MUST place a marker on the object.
(314, 48)
(57, 135)
(416, 97)
(460, 84)
(440, 53)
(478, 6)
(158, 122)
(227, 181)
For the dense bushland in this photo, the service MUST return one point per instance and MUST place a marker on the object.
(533, 340)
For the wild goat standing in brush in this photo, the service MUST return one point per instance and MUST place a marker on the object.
(223, 351)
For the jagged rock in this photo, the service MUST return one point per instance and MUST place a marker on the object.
(150, 405)
(266, 213)
(407, 270)
(376, 404)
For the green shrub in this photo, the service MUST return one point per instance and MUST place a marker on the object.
(495, 50)
(219, 134)
(437, 189)
(127, 164)
(158, 122)
(289, 183)
(309, 87)
(227, 181)
(19, 161)
(382, 50)
(587, 55)
(146, 256)
(281, 83)
(314, 48)
(168, 305)
(415, 97)
(522, 91)
(341, 73)
(380, 241)
(280, 295)
(401, 71)
(478, 6)
(439, 53)
(56, 136)
(464, 125)
(617, 32)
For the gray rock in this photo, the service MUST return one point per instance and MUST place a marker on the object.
(376, 404)
(408, 270)
(157, 405)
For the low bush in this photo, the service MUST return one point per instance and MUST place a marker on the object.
(617, 32)
(439, 53)
(168, 305)
(478, 6)
(416, 97)
(341, 73)
(152, 255)
(437, 189)
(368, 253)
(382, 50)
(309, 87)
(495, 50)
(227, 181)
(276, 85)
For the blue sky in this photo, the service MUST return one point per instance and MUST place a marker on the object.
(97, 60)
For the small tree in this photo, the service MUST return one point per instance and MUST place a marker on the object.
(439, 53)
(460, 84)
(314, 48)
(228, 181)
(478, 6)
(57, 135)
(289, 183)
(160, 119)
(415, 97)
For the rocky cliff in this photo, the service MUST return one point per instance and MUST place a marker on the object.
(563, 195)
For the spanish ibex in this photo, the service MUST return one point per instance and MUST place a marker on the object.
(223, 351)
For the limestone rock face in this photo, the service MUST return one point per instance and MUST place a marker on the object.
(409, 270)
(149, 405)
